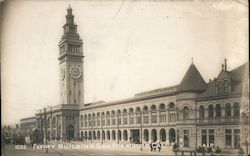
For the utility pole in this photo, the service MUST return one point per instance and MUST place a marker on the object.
(101, 128)
(118, 129)
(41, 116)
(195, 128)
(141, 130)
(45, 125)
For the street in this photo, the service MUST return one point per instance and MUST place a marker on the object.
(81, 149)
(11, 150)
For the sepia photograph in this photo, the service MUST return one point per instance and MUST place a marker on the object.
(124, 77)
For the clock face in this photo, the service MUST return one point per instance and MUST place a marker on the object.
(75, 72)
(62, 73)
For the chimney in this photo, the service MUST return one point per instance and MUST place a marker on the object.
(225, 64)
(222, 66)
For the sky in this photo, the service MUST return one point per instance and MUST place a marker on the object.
(129, 46)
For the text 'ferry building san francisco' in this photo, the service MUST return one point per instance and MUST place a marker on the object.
(192, 113)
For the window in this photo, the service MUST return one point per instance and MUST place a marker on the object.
(228, 110)
(153, 114)
(185, 113)
(218, 111)
(220, 87)
(119, 117)
(145, 114)
(211, 136)
(81, 121)
(226, 87)
(131, 116)
(138, 115)
(186, 138)
(228, 133)
(113, 118)
(103, 119)
(108, 119)
(236, 109)
(201, 112)
(204, 137)
(236, 138)
(207, 136)
(162, 113)
(125, 117)
(210, 111)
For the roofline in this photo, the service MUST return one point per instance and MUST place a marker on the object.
(33, 117)
(129, 100)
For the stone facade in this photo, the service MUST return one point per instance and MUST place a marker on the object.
(192, 113)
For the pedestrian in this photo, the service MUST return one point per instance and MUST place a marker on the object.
(240, 151)
(159, 146)
(151, 145)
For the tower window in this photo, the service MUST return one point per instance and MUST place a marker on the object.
(79, 92)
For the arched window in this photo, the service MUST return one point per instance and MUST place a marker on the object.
(89, 120)
(236, 109)
(103, 118)
(162, 109)
(90, 135)
(108, 118)
(162, 135)
(81, 120)
(113, 135)
(218, 111)
(210, 111)
(86, 135)
(125, 116)
(185, 113)
(146, 114)
(119, 135)
(119, 117)
(103, 135)
(154, 135)
(146, 135)
(125, 135)
(228, 110)
(171, 106)
(98, 119)
(131, 116)
(138, 115)
(201, 112)
(85, 120)
(113, 118)
(93, 119)
(94, 135)
(98, 135)
(153, 114)
(108, 135)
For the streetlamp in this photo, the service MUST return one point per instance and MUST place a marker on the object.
(45, 124)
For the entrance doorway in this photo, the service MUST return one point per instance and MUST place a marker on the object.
(70, 132)
(135, 136)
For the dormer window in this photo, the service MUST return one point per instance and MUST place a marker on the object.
(220, 87)
(223, 87)
(226, 86)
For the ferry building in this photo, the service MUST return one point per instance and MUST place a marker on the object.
(192, 113)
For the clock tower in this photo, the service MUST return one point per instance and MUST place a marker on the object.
(71, 63)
